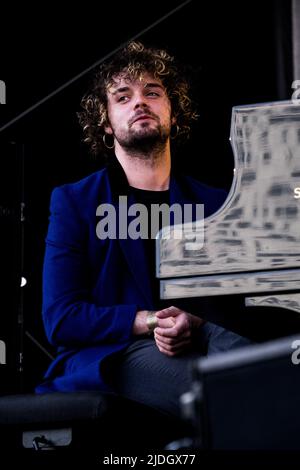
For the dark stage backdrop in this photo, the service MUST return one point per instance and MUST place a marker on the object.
(238, 53)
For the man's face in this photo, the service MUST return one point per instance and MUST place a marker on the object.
(139, 112)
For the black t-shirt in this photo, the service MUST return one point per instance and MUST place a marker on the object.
(147, 198)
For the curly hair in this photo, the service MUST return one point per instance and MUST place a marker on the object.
(132, 62)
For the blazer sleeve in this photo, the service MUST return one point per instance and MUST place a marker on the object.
(70, 319)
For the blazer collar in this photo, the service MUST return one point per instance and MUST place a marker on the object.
(179, 190)
(118, 181)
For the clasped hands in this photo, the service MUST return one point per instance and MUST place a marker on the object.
(173, 334)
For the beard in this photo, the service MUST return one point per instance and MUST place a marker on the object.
(145, 142)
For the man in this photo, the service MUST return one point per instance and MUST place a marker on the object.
(101, 304)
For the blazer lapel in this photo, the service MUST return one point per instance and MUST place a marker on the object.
(180, 193)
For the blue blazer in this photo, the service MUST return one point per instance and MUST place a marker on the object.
(92, 288)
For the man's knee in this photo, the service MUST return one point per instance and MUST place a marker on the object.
(221, 340)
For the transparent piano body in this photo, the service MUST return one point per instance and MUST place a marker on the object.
(252, 243)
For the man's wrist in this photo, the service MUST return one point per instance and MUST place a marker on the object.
(196, 322)
(144, 323)
(151, 321)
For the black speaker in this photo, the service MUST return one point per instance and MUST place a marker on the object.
(249, 398)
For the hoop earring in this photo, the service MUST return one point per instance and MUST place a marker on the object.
(176, 134)
(104, 141)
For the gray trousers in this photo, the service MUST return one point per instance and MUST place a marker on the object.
(143, 374)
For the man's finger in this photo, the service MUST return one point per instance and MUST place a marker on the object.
(172, 350)
(166, 322)
(173, 346)
(170, 332)
(167, 340)
(168, 312)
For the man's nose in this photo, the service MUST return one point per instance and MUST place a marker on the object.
(140, 102)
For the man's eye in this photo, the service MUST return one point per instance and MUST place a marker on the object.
(152, 93)
(123, 98)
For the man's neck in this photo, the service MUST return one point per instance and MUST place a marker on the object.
(151, 173)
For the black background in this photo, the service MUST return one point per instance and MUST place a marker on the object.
(239, 52)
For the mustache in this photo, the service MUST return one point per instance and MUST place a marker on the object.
(142, 113)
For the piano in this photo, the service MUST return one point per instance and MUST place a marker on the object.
(246, 274)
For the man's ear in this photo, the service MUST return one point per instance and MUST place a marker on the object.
(108, 129)
(173, 120)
